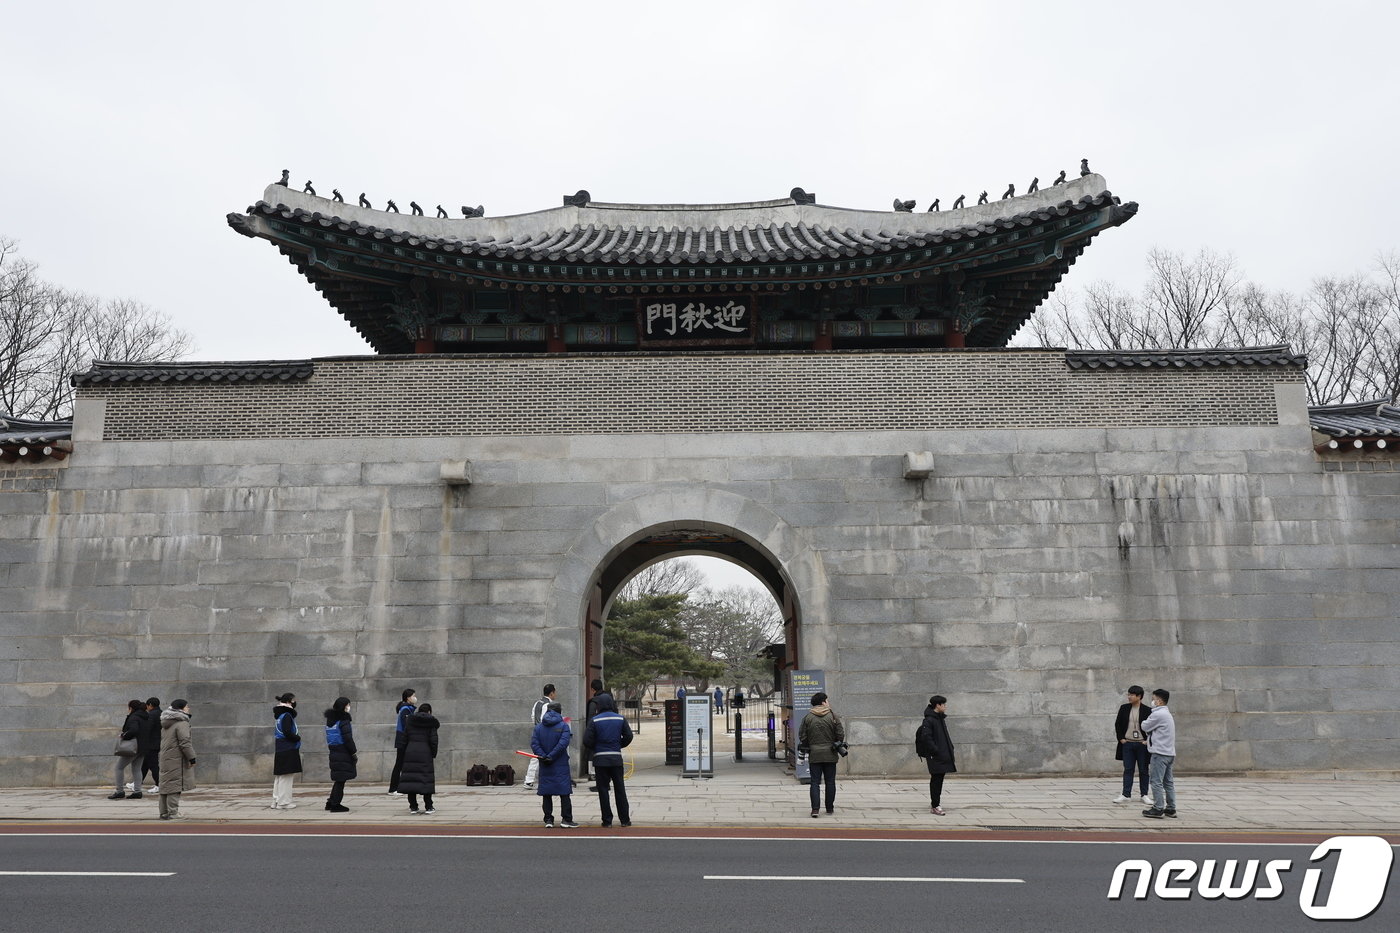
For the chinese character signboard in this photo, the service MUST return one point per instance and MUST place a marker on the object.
(687, 321)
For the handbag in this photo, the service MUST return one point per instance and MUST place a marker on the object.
(126, 748)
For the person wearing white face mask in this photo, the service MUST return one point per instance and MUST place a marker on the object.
(1161, 742)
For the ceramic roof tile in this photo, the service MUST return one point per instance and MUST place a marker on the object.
(687, 241)
(258, 371)
(1359, 419)
(1147, 359)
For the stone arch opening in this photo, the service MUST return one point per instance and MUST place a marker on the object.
(683, 539)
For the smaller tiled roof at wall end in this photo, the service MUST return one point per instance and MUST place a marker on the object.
(256, 371)
(25, 432)
(1356, 419)
(1149, 359)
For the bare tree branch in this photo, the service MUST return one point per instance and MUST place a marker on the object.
(47, 333)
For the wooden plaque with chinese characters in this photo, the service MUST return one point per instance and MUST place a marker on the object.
(696, 321)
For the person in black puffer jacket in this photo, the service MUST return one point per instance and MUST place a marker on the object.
(131, 729)
(934, 745)
(286, 760)
(340, 742)
(419, 751)
(148, 744)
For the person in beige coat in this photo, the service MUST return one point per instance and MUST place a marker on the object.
(176, 758)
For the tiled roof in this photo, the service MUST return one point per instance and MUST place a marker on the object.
(22, 438)
(722, 233)
(1148, 359)
(24, 431)
(1358, 419)
(257, 371)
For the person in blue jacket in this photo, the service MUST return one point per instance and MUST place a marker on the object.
(340, 744)
(606, 736)
(401, 713)
(719, 700)
(286, 760)
(550, 742)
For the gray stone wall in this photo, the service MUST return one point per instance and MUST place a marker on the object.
(1032, 577)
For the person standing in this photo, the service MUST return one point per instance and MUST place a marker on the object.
(935, 746)
(606, 736)
(819, 733)
(719, 701)
(286, 759)
(590, 710)
(420, 748)
(405, 709)
(131, 734)
(1132, 745)
(340, 744)
(1161, 742)
(176, 758)
(148, 745)
(537, 712)
(550, 742)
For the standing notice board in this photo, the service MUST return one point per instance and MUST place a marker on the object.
(804, 684)
(699, 737)
(675, 733)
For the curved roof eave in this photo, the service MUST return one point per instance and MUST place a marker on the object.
(535, 226)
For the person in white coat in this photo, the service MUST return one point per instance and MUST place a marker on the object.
(532, 771)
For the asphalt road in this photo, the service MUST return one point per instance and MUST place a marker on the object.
(308, 884)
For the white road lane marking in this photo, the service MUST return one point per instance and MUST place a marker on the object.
(96, 874)
(859, 878)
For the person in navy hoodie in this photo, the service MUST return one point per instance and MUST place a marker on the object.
(606, 736)
(286, 762)
(340, 743)
(550, 742)
(401, 712)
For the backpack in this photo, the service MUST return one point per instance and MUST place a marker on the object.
(478, 776)
(923, 742)
(503, 776)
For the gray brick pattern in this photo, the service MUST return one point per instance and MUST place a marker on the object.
(691, 393)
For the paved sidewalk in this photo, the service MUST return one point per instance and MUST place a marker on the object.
(757, 794)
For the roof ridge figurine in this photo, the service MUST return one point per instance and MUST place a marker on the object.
(286, 176)
(982, 198)
(1084, 168)
(336, 195)
(1010, 192)
(364, 202)
(1061, 179)
(391, 206)
(802, 197)
(903, 207)
(440, 212)
(477, 211)
(933, 208)
(417, 211)
(959, 203)
(1034, 185)
(580, 199)
(307, 189)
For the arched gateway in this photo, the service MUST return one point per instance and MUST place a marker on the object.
(658, 526)
(822, 394)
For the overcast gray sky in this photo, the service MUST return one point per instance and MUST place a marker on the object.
(130, 130)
